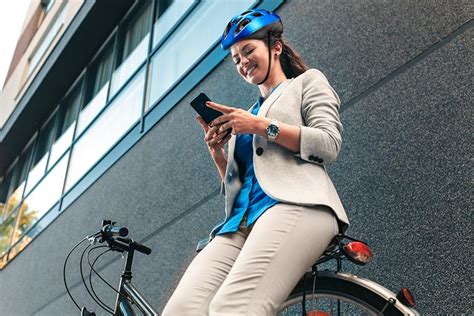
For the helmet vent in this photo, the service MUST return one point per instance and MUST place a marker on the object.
(257, 14)
(227, 28)
(241, 25)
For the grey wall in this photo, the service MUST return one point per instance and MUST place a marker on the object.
(403, 70)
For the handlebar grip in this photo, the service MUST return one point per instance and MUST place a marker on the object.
(131, 243)
(142, 248)
(112, 230)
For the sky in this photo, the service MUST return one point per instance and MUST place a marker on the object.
(12, 16)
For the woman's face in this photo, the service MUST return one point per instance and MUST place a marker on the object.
(250, 56)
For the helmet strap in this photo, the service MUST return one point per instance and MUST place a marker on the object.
(269, 61)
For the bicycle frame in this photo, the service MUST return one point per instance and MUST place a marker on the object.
(129, 294)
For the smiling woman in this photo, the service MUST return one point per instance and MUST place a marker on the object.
(280, 202)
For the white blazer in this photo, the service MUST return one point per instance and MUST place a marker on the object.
(307, 101)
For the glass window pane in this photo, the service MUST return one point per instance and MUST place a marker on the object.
(168, 13)
(66, 122)
(40, 155)
(107, 129)
(90, 111)
(11, 190)
(99, 74)
(135, 31)
(43, 143)
(6, 232)
(42, 198)
(13, 199)
(133, 48)
(200, 31)
(36, 173)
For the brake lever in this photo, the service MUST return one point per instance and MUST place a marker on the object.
(85, 312)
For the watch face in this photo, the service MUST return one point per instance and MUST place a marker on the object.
(273, 130)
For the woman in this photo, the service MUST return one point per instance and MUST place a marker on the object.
(282, 209)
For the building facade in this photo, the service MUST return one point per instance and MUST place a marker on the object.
(96, 124)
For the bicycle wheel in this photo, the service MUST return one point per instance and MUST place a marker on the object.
(342, 294)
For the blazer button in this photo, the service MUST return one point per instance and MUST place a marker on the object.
(259, 151)
(311, 157)
(320, 160)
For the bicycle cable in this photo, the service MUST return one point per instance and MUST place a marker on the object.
(64, 270)
(85, 284)
(90, 271)
(97, 273)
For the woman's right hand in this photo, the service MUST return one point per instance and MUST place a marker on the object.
(215, 141)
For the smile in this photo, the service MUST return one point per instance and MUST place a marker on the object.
(251, 70)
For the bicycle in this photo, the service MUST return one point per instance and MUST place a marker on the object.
(318, 293)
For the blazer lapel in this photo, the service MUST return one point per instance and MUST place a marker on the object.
(272, 98)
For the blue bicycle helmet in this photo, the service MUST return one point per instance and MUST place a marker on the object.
(246, 24)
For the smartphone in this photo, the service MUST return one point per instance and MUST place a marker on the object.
(199, 105)
(208, 114)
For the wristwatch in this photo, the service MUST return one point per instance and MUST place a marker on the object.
(273, 129)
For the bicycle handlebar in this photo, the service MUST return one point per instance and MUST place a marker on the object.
(115, 237)
(110, 230)
(127, 244)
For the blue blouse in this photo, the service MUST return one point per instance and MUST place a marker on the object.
(251, 201)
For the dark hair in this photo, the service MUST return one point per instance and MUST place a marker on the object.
(292, 63)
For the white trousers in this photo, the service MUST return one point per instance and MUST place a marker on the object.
(252, 271)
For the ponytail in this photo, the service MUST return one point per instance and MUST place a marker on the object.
(292, 63)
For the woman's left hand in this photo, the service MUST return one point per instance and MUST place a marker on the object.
(241, 121)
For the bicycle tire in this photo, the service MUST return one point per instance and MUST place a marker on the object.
(354, 293)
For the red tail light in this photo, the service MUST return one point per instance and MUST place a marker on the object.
(406, 297)
(317, 313)
(358, 252)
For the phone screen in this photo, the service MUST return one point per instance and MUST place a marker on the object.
(208, 114)
(199, 105)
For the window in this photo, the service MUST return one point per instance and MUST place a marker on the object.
(184, 48)
(65, 124)
(41, 199)
(132, 48)
(107, 129)
(96, 89)
(168, 14)
(11, 189)
(40, 153)
(7, 225)
(99, 73)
